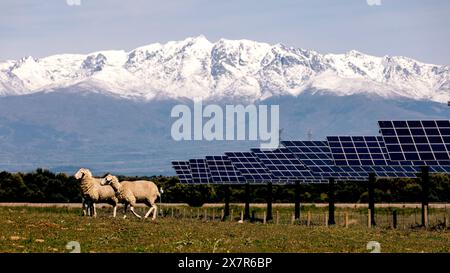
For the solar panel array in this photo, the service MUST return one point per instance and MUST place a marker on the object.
(370, 153)
(401, 149)
(199, 171)
(317, 157)
(222, 171)
(358, 150)
(284, 166)
(183, 171)
(249, 165)
(424, 142)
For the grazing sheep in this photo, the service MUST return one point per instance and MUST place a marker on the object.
(132, 192)
(94, 192)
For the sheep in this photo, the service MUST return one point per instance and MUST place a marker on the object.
(87, 206)
(94, 192)
(132, 192)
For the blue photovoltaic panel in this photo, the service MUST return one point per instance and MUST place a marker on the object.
(199, 171)
(183, 171)
(222, 171)
(317, 157)
(250, 167)
(424, 142)
(358, 150)
(440, 169)
(285, 166)
(370, 153)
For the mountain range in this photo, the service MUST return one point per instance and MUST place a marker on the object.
(110, 110)
(196, 68)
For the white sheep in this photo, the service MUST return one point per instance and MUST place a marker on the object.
(132, 192)
(94, 192)
(87, 206)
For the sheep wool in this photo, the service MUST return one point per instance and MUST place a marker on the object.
(94, 192)
(132, 192)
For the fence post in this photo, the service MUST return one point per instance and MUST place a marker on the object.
(269, 201)
(214, 214)
(226, 211)
(331, 197)
(247, 202)
(445, 218)
(326, 219)
(172, 212)
(394, 219)
(278, 217)
(293, 219)
(297, 200)
(206, 215)
(425, 181)
(415, 215)
(264, 217)
(369, 222)
(242, 216)
(222, 215)
(371, 193)
(232, 215)
(346, 219)
(309, 219)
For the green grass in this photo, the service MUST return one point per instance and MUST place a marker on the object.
(50, 229)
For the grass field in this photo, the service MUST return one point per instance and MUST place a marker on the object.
(50, 229)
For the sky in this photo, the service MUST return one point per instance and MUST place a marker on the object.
(416, 29)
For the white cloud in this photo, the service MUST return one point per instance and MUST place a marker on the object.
(374, 2)
(73, 2)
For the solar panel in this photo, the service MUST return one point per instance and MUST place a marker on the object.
(222, 171)
(284, 166)
(317, 157)
(370, 153)
(183, 171)
(358, 150)
(199, 171)
(423, 142)
(250, 167)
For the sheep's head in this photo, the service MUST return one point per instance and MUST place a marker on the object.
(83, 173)
(109, 179)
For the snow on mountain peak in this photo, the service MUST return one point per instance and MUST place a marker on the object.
(196, 68)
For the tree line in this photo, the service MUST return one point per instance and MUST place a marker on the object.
(44, 186)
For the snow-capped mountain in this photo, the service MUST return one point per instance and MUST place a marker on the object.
(196, 68)
(111, 110)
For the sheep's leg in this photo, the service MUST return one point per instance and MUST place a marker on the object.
(89, 208)
(155, 212)
(135, 214)
(149, 211)
(114, 211)
(83, 207)
(93, 208)
(125, 208)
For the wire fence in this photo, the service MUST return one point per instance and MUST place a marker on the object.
(384, 218)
